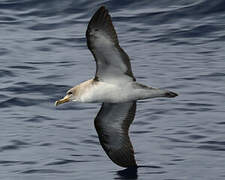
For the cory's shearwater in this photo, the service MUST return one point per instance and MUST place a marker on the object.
(115, 86)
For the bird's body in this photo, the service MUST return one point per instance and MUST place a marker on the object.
(92, 91)
(115, 86)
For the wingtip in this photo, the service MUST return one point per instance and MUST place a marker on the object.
(101, 21)
(99, 17)
(101, 8)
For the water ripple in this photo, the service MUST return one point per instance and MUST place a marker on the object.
(19, 102)
(44, 171)
(15, 144)
(62, 162)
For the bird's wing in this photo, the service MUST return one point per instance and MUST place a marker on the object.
(112, 124)
(112, 62)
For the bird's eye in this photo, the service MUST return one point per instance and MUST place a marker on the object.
(69, 93)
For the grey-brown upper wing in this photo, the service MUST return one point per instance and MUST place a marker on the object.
(112, 124)
(111, 60)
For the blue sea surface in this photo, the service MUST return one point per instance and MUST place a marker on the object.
(173, 44)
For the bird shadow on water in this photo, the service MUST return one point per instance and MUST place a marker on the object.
(132, 173)
(128, 173)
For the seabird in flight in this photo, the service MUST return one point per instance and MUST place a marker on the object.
(115, 86)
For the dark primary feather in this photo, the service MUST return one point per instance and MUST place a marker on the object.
(101, 20)
(112, 124)
(111, 59)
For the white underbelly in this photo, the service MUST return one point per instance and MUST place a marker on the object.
(104, 92)
(111, 93)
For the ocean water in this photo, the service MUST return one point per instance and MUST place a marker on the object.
(177, 45)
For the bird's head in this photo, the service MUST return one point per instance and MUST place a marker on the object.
(70, 96)
(77, 93)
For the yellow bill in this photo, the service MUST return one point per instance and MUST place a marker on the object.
(61, 101)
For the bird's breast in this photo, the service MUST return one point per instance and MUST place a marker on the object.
(104, 92)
